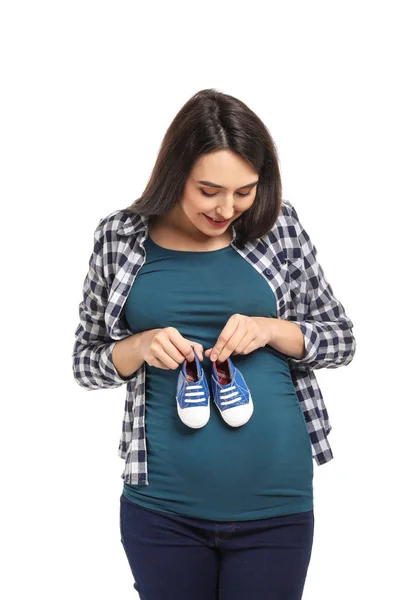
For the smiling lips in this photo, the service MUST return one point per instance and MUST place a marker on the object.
(218, 224)
(217, 220)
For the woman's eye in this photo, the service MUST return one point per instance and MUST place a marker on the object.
(211, 195)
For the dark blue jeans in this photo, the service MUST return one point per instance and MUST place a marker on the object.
(182, 558)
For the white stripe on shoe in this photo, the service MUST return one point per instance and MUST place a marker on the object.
(224, 394)
(194, 387)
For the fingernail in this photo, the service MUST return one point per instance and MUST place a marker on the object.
(214, 357)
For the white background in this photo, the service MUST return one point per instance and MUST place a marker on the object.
(88, 90)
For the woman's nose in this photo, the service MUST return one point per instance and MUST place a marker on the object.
(226, 211)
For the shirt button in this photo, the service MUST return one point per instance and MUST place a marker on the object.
(268, 272)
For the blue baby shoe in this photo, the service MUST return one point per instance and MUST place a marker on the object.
(231, 394)
(193, 394)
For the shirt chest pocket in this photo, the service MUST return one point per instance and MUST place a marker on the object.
(297, 284)
(291, 270)
(295, 274)
(289, 280)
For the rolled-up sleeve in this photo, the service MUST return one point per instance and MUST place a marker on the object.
(327, 330)
(92, 363)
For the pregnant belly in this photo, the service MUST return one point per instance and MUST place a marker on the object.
(269, 456)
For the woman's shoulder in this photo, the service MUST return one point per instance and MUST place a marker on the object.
(286, 208)
(282, 232)
(285, 204)
(281, 243)
(120, 222)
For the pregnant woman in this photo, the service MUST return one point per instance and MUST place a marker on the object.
(210, 273)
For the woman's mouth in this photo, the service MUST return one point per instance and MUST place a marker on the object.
(216, 223)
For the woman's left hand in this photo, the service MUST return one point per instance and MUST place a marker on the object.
(241, 335)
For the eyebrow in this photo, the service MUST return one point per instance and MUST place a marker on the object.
(215, 185)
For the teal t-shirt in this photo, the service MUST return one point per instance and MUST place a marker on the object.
(259, 470)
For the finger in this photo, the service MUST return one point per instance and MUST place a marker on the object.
(245, 343)
(198, 348)
(250, 347)
(226, 333)
(160, 365)
(164, 355)
(231, 345)
(182, 344)
(176, 346)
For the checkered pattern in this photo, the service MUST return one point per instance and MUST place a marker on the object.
(285, 257)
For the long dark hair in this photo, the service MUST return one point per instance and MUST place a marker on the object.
(208, 121)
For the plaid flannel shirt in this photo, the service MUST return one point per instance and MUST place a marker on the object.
(285, 257)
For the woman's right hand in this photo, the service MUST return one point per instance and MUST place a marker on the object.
(166, 348)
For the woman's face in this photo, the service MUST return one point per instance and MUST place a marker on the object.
(225, 195)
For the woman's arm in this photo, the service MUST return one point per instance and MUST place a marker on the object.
(285, 337)
(327, 330)
(92, 362)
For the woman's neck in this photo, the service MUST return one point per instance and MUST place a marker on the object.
(165, 233)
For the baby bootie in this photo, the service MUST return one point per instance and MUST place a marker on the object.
(193, 394)
(231, 394)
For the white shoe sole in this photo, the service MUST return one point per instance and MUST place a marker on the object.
(194, 416)
(238, 415)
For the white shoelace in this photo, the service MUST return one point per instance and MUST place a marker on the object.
(195, 387)
(224, 394)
